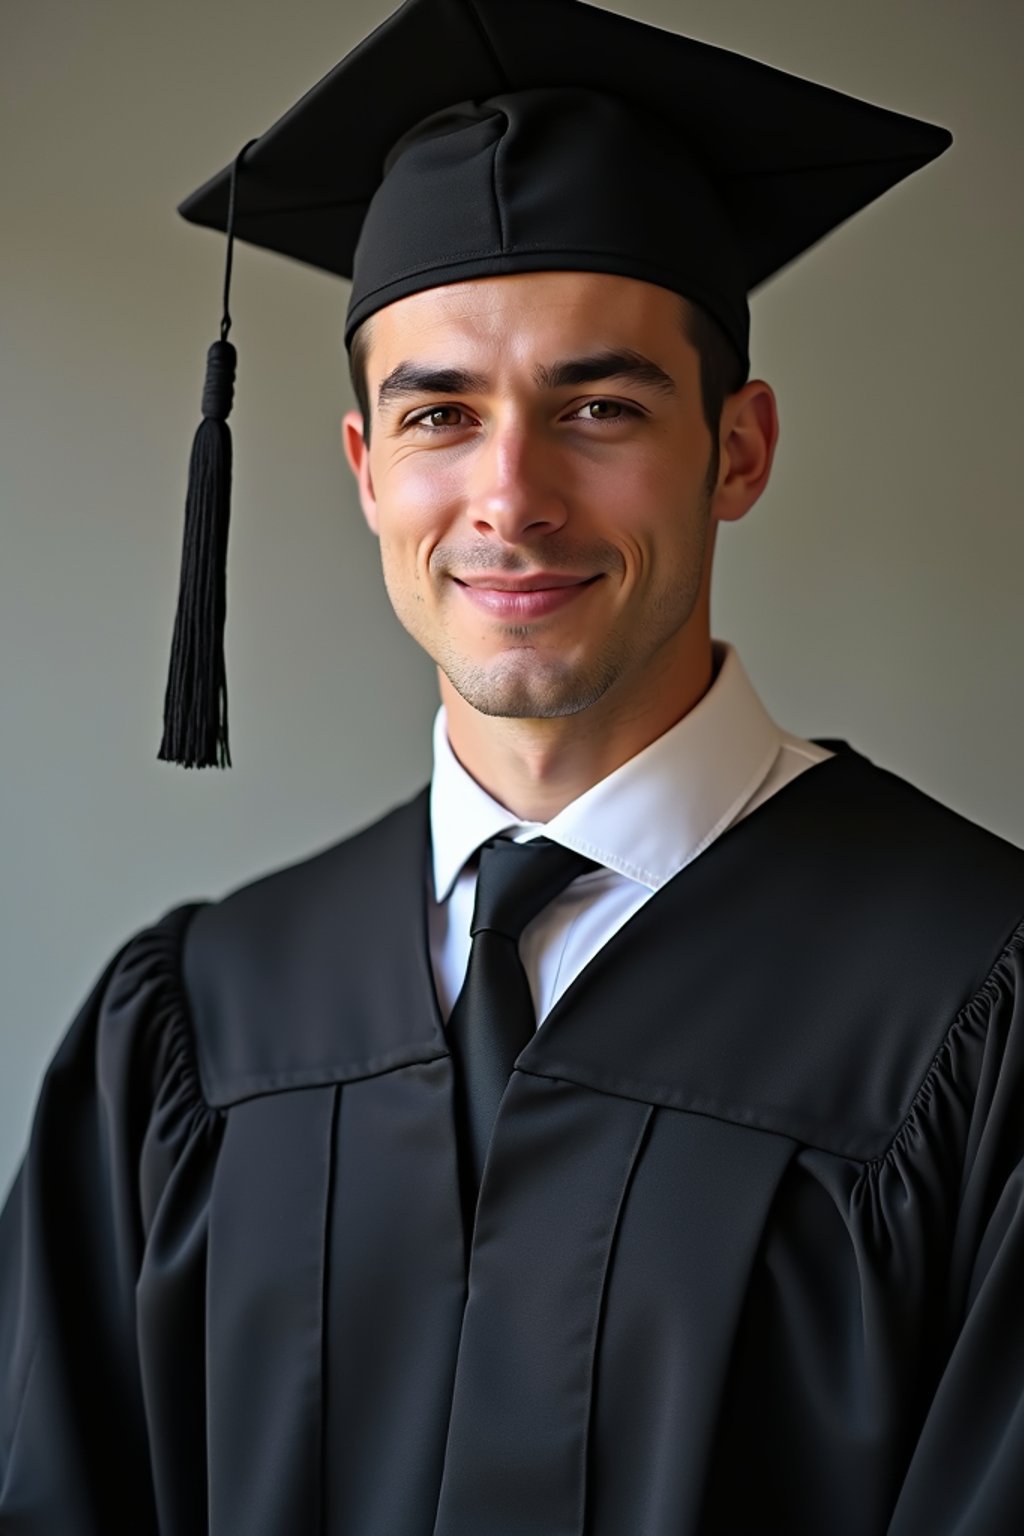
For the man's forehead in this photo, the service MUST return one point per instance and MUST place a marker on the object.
(531, 317)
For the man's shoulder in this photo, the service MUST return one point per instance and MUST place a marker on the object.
(872, 863)
(875, 920)
(280, 971)
(885, 822)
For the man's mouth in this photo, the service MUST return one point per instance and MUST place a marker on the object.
(518, 598)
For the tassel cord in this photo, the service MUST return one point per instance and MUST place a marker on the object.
(196, 701)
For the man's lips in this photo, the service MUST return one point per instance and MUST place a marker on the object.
(540, 581)
(523, 597)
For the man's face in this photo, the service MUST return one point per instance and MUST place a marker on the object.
(537, 477)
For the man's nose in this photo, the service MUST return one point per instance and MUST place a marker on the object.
(514, 489)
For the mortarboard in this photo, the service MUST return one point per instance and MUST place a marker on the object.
(468, 138)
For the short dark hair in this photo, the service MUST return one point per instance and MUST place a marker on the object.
(722, 370)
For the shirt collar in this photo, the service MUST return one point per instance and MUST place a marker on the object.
(649, 818)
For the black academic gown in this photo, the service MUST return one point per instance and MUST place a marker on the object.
(749, 1248)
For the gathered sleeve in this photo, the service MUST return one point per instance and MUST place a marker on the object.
(966, 1472)
(118, 1156)
(879, 1365)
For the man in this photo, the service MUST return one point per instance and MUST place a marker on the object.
(625, 1135)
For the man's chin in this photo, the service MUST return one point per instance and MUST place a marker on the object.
(515, 692)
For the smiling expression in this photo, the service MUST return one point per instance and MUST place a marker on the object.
(538, 479)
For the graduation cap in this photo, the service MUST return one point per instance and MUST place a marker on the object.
(468, 138)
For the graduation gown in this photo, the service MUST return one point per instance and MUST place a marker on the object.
(748, 1254)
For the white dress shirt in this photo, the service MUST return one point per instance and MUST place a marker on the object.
(642, 824)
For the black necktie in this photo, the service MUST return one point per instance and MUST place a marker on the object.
(493, 1017)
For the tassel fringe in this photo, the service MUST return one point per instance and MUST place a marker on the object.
(196, 701)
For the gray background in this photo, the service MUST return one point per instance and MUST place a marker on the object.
(873, 592)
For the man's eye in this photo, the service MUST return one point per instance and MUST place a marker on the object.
(605, 410)
(434, 420)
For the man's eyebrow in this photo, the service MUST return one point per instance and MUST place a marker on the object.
(611, 364)
(428, 379)
(435, 379)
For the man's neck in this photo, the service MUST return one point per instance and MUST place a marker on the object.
(537, 767)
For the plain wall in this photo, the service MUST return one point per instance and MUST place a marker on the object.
(874, 592)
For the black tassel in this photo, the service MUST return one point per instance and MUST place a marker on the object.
(196, 700)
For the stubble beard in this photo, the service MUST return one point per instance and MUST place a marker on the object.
(522, 685)
(528, 681)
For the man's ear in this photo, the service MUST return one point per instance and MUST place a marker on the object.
(358, 455)
(748, 433)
